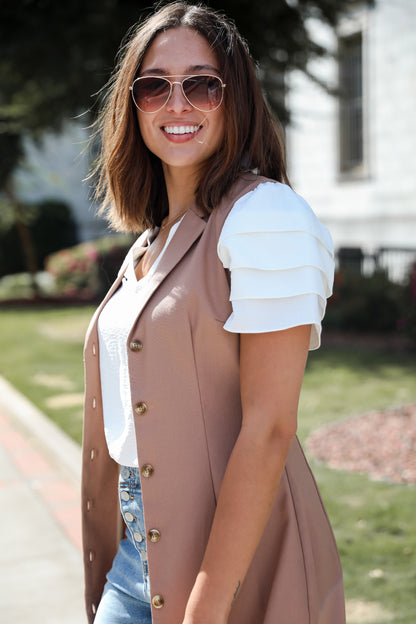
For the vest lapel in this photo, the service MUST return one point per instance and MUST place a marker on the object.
(189, 230)
(92, 328)
(91, 333)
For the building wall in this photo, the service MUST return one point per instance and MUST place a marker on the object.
(56, 169)
(377, 208)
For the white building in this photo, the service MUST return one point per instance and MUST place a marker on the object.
(56, 168)
(354, 157)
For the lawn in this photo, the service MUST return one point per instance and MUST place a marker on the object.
(41, 354)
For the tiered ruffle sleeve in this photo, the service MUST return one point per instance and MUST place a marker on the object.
(281, 261)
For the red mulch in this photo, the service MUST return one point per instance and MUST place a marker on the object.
(382, 444)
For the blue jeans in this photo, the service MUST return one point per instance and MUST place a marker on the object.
(126, 595)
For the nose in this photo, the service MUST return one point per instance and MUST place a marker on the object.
(177, 101)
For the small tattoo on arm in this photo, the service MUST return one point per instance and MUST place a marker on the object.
(236, 592)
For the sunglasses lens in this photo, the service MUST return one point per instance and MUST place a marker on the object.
(203, 92)
(150, 94)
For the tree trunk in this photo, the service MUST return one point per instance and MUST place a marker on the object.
(26, 240)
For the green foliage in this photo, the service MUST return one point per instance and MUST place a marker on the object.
(51, 227)
(55, 55)
(407, 321)
(87, 270)
(364, 303)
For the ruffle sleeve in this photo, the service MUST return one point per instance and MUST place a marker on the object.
(281, 261)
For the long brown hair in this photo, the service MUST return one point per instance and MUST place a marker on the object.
(131, 185)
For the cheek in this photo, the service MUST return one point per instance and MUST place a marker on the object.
(145, 128)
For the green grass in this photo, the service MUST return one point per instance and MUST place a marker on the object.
(41, 355)
(374, 522)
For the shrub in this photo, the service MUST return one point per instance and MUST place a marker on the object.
(407, 321)
(364, 303)
(87, 270)
(50, 225)
(19, 286)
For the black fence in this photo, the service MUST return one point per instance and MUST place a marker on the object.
(397, 262)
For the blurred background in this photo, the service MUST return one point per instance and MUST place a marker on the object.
(340, 76)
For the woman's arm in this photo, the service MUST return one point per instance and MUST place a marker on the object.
(271, 368)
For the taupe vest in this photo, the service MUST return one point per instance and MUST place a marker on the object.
(185, 380)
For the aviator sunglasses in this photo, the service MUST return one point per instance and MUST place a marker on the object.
(151, 93)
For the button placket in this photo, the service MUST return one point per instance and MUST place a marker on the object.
(130, 500)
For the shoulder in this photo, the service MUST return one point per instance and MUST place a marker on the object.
(273, 206)
(280, 258)
(272, 213)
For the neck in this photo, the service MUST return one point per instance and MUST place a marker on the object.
(180, 187)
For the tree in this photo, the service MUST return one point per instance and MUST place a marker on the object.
(55, 55)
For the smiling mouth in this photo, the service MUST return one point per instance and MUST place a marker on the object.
(178, 130)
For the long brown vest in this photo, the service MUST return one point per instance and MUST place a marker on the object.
(187, 377)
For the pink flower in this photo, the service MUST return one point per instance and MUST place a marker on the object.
(91, 253)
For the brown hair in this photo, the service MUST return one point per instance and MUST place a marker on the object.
(130, 178)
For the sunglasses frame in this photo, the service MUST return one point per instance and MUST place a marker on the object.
(178, 82)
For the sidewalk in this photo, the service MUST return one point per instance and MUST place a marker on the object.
(40, 536)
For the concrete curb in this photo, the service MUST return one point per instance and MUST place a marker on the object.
(56, 444)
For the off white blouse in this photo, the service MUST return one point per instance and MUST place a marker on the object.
(281, 261)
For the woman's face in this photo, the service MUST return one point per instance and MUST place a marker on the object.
(179, 134)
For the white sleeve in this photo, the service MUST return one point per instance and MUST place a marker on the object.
(281, 261)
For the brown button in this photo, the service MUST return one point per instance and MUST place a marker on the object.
(154, 535)
(157, 601)
(136, 345)
(140, 408)
(147, 470)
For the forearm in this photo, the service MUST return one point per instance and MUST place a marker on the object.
(247, 493)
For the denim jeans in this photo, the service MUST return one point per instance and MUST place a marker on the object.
(126, 595)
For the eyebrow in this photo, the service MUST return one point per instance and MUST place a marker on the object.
(157, 71)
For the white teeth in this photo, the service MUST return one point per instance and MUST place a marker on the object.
(181, 129)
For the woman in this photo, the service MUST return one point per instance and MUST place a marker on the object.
(194, 361)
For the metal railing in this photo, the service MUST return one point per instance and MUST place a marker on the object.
(397, 262)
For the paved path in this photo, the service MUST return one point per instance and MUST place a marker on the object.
(40, 536)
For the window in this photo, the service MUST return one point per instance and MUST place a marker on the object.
(351, 104)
